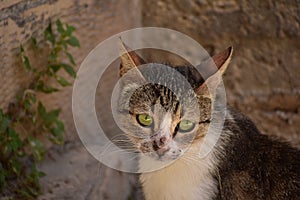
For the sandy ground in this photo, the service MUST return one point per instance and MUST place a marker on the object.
(72, 173)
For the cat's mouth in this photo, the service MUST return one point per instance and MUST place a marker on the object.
(161, 152)
(164, 154)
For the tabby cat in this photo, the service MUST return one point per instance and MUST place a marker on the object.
(162, 125)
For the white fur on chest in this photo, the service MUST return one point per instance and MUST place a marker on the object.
(184, 179)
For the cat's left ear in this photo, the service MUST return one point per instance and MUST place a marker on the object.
(212, 71)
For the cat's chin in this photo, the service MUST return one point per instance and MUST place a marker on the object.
(150, 163)
(164, 158)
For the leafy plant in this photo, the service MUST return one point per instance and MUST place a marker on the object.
(28, 120)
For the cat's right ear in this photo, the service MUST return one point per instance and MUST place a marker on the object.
(212, 71)
(129, 60)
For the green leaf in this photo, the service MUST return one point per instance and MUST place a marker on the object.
(48, 117)
(71, 59)
(57, 132)
(32, 97)
(55, 67)
(37, 148)
(54, 112)
(57, 49)
(14, 142)
(29, 99)
(31, 187)
(52, 56)
(52, 115)
(69, 69)
(42, 110)
(73, 41)
(4, 122)
(25, 59)
(41, 174)
(15, 166)
(49, 36)
(58, 128)
(34, 42)
(64, 44)
(60, 27)
(69, 30)
(21, 48)
(45, 88)
(62, 81)
(26, 63)
(58, 139)
(27, 104)
(34, 177)
(25, 193)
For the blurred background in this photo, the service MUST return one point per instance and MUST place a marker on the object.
(263, 80)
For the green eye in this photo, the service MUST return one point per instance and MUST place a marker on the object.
(144, 119)
(186, 126)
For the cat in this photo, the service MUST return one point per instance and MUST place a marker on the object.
(243, 164)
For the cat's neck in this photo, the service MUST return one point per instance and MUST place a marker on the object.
(183, 179)
(187, 178)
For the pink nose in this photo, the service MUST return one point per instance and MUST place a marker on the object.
(159, 143)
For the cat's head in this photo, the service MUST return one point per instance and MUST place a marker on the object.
(164, 109)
